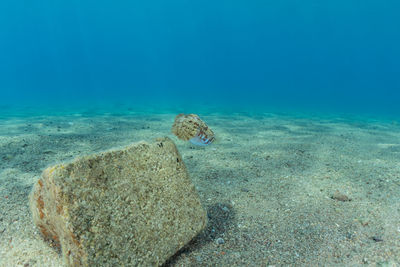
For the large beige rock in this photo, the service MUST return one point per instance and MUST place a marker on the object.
(130, 207)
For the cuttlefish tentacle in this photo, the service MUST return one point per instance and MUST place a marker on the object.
(201, 139)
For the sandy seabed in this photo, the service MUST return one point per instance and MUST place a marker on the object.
(278, 189)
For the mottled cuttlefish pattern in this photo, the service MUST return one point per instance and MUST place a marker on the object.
(191, 128)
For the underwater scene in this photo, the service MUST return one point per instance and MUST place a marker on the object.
(212, 133)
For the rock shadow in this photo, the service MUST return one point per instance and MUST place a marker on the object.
(221, 217)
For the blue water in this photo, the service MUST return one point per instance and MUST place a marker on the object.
(341, 55)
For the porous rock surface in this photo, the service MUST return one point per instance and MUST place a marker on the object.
(130, 207)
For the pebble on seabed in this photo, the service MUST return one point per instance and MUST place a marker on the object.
(220, 241)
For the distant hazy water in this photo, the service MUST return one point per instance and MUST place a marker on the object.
(341, 56)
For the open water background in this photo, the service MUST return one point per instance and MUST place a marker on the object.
(321, 56)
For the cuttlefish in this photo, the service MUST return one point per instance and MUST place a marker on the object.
(191, 128)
